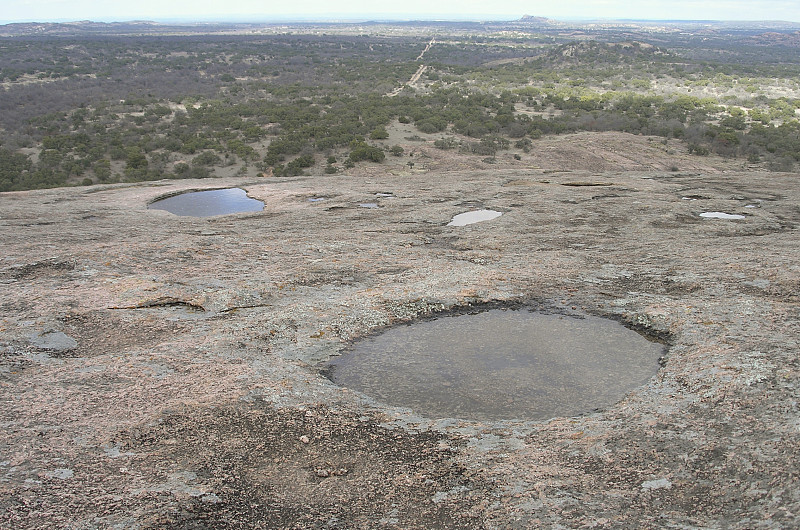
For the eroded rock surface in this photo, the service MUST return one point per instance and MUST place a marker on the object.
(191, 398)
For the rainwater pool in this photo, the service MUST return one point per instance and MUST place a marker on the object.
(209, 203)
(476, 216)
(500, 364)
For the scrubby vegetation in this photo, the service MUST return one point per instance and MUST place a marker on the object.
(105, 108)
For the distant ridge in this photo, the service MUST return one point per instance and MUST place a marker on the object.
(81, 26)
(150, 27)
(530, 19)
(133, 27)
(592, 52)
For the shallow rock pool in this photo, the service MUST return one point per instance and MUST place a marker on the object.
(476, 216)
(209, 203)
(500, 364)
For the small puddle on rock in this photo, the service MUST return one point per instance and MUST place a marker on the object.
(476, 216)
(500, 364)
(721, 215)
(209, 203)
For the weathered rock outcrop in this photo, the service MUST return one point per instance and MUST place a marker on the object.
(158, 371)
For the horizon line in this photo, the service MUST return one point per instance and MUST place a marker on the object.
(341, 19)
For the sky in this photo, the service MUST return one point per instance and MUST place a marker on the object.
(272, 10)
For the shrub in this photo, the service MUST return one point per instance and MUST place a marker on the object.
(135, 159)
(206, 158)
(379, 133)
(524, 144)
(446, 143)
(362, 151)
(295, 167)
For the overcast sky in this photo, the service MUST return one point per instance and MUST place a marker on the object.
(265, 10)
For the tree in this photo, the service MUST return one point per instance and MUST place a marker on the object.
(135, 159)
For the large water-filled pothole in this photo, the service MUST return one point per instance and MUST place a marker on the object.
(500, 364)
(209, 203)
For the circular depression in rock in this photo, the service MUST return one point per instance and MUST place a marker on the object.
(209, 203)
(500, 364)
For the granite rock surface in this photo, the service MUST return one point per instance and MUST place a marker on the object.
(162, 372)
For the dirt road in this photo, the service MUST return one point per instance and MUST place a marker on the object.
(421, 70)
(428, 47)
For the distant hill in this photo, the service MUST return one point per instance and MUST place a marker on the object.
(71, 28)
(528, 19)
(590, 52)
(778, 39)
(135, 27)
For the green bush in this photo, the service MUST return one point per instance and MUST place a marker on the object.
(446, 143)
(379, 133)
(362, 151)
(206, 158)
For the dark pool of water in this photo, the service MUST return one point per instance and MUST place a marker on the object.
(209, 203)
(500, 364)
